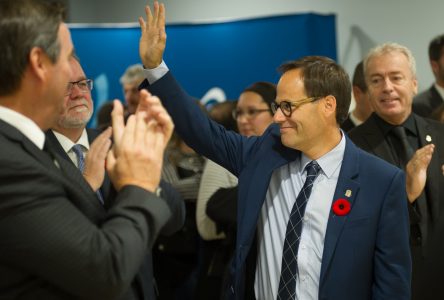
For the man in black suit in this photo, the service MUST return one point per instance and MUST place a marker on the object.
(391, 78)
(425, 103)
(363, 108)
(57, 241)
(71, 130)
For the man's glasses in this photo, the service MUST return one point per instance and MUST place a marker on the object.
(84, 85)
(287, 107)
(249, 113)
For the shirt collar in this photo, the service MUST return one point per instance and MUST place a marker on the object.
(355, 120)
(67, 144)
(409, 124)
(24, 124)
(440, 90)
(330, 161)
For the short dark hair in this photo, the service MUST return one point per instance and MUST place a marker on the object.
(322, 76)
(266, 90)
(25, 24)
(221, 112)
(435, 47)
(359, 78)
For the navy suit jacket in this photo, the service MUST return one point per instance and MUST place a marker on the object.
(366, 253)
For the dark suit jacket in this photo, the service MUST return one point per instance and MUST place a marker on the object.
(143, 282)
(426, 102)
(369, 137)
(366, 253)
(56, 240)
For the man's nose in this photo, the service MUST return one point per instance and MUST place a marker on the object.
(278, 116)
(388, 85)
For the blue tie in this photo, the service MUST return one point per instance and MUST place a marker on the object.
(77, 149)
(289, 267)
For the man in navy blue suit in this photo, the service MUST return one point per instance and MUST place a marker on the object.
(354, 239)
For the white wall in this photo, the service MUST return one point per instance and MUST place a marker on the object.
(361, 24)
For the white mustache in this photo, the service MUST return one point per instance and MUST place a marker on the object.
(77, 102)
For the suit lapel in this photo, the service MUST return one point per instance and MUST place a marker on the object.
(73, 174)
(63, 171)
(68, 167)
(347, 181)
(259, 173)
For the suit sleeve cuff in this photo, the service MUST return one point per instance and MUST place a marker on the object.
(152, 75)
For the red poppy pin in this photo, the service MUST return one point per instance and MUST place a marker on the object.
(341, 207)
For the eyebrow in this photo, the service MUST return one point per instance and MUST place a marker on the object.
(80, 78)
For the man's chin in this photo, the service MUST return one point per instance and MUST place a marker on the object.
(73, 123)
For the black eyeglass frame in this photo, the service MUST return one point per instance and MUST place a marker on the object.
(288, 109)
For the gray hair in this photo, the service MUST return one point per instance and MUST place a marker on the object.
(133, 74)
(390, 48)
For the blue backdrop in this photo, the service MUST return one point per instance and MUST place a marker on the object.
(228, 56)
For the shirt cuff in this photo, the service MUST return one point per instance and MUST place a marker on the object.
(152, 75)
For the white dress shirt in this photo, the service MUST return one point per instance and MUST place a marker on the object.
(285, 184)
(24, 124)
(440, 90)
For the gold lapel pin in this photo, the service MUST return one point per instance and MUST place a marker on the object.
(348, 193)
(428, 138)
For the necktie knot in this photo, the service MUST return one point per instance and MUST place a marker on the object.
(399, 132)
(312, 169)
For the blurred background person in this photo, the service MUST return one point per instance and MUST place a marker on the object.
(363, 108)
(130, 81)
(427, 101)
(438, 113)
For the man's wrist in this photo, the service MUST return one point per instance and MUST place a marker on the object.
(151, 187)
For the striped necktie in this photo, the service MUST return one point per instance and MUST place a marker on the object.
(77, 149)
(289, 267)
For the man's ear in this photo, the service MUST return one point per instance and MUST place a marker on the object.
(39, 63)
(330, 105)
(435, 66)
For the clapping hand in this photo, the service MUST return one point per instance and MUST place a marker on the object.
(416, 171)
(137, 154)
